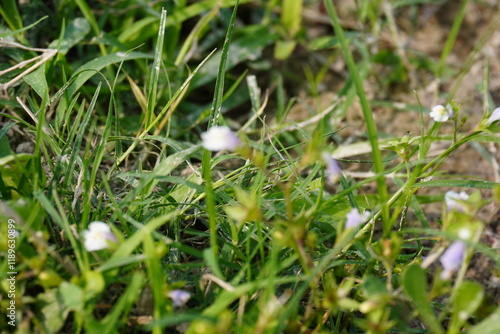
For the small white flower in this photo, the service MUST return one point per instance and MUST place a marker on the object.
(354, 218)
(441, 113)
(453, 200)
(452, 258)
(179, 297)
(220, 138)
(495, 116)
(464, 233)
(332, 170)
(97, 236)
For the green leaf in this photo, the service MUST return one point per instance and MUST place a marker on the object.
(16, 175)
(415, 286)
(126, 248)
(88, 70)
(54, 313)
(155, 276)
(154, 76)
(167, 165)
(283, 49)
(458, 183)
(291, 16)
(38, 82)
(4, 140)
(72, 296)
(94, 283)
(11, 15)
(122, 262)
(89, 15)
(490, 325)
(111, 323)
(467, 299)
(354, 71)
(372, 285)
(76, 31)
(15, 32)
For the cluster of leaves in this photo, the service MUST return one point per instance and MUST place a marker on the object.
(116, 96)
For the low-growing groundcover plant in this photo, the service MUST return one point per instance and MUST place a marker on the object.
(153, 177)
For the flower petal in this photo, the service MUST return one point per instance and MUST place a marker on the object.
(219, 138)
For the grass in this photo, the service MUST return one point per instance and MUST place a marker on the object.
(109, 102)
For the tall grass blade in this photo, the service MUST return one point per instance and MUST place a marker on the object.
(367, 112)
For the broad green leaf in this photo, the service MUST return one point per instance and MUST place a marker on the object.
(283, 49)
(89, 15)
(373, 286)
(72, 296)
(490, 325)
(38, 82)
(415, 286)
(53, 312)
(16, 176)
(76, 30)
(467, 299)
(94, 283)
(291, 16)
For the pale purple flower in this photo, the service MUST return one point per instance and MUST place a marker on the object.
(452, 258)
(219, 138)
(179, 297)
(441, 113)
(495, 116)
(332, 170)
(98, 236)
(354, 218)
(453, 200)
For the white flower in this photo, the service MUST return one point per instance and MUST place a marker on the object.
(440, 113)
(332, 170)
(464, 233)
(451, 260)
(220, 138)
(495, 116)
(179, 297)
(453, 200)
(98, 236)
(354, 218)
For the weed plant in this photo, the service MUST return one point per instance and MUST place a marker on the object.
(153, 179)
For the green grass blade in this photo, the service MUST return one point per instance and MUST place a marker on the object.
(155, 71)
(156, 278)
(367, 112)
(214, 120)
(11, 15)
(15, 32)
(89, 15)
(111, 323)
